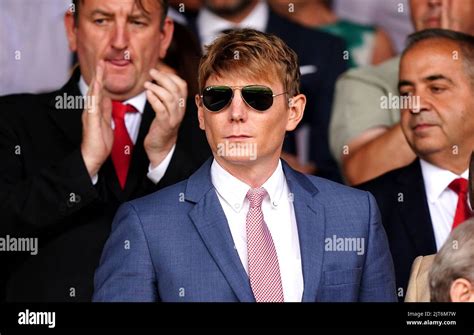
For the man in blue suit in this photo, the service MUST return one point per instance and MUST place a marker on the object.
(245, 226)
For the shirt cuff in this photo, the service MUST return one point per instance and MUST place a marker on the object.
(157, 173)
(94, 179)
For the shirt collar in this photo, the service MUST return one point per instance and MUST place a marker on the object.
(234, 191)
(437, 180)
(137, 101)
(211, 25)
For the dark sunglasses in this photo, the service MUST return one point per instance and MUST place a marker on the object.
(216, 98)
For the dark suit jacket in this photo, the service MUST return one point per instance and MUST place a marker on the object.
(46, 192)
(401, 197)
(322, 53)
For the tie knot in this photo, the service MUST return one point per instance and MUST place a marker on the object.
(119, 109)
(256, 196)
(459, 185)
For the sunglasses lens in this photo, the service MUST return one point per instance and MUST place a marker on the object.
(216, 98)
(258, 97)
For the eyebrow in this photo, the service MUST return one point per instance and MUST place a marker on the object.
(139, 15)
(438, 77)
(431, 78)
(405, 83)
(101, 12)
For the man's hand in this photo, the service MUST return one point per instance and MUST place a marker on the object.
(168, 99)
(97, 133)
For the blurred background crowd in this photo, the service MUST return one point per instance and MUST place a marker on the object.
(349, 53)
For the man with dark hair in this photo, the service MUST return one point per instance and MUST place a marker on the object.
(465, 41)
(424, 201)
(139, 3)
(365, 133)
(245, 226)
(117, 130)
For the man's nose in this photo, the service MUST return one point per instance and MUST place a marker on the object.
(238, 108)
(120, 36)
(418, 104)
(434, 3)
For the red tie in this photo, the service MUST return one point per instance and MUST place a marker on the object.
(460, 186)
(263, 267)
(123, 145)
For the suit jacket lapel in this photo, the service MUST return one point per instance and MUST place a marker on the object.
(211, 223)
(192, 26)
(139, 162)
(65, 111)
(414, 209)
(310, 219)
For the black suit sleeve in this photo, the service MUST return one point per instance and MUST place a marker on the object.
(34, 202)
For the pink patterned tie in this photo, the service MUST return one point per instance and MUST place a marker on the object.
(264, 271)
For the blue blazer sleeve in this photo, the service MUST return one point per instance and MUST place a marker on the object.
(378, 278)
(125, 272)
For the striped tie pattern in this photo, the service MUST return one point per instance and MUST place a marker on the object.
(263, 268)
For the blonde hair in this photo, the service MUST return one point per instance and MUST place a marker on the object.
(248, 53)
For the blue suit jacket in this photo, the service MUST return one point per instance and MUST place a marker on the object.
(175, 245)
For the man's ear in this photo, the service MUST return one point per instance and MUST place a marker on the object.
(200, 108)
(296, 107)
(462, 290)
(166, 36)
(71, 30)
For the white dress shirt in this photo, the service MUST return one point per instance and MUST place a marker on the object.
(132, 123)
(279, 215)
(442, 201)
(210, 25)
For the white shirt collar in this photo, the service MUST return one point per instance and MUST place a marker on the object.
(437, 180)
(234, 191)
(211, 25)
(137, 101)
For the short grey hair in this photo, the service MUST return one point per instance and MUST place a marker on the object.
(454, 260)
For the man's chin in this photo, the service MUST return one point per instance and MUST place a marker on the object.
(428, 149)
(121, 89)
(239, 160)
(242, 159)
(230, 10)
